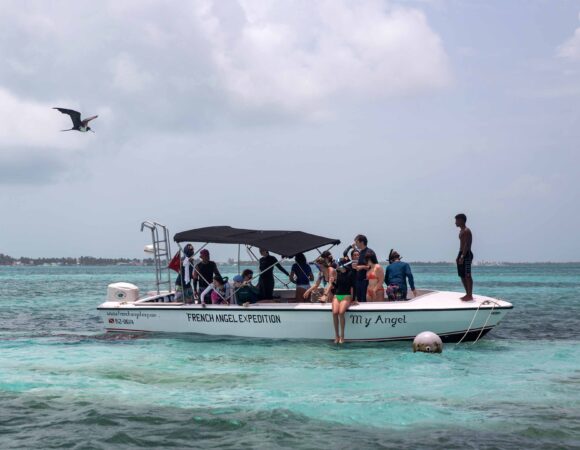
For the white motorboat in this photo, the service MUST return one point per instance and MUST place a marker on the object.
(440, 312)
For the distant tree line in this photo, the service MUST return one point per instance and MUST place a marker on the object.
(6, 260)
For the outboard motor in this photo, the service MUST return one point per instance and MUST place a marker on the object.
(122, 292)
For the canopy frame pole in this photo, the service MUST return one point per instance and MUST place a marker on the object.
(214, 289)
(252, 256)
(199, 249)
(283, 258)
(328, 249)
(197, 271)
(203, 278)
(181, 271)
(234, 291)
(193, 264)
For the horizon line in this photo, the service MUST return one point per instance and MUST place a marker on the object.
(122, 259)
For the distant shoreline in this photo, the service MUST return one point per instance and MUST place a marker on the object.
(89, 261)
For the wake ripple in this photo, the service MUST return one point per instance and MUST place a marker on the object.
(47, 422)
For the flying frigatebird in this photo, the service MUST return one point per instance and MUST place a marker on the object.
(78, 124)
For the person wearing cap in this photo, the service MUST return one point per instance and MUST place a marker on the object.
(237, 284)
(183, 286)
(266, 280)
(203, 274)
(396, 275)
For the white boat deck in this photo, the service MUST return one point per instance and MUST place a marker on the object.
(440, 312)
(425, 301)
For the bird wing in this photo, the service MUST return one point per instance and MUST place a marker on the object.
(88, 119)
(74, 115)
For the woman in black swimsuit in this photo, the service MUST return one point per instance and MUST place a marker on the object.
(343, 289)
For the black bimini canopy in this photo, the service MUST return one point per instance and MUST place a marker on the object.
(283, 243)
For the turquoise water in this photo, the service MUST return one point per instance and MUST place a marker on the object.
(65, 384)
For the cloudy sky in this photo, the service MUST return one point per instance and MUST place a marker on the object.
(332, 117)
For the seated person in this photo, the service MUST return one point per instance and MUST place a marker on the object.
(219, 291)
(326, 277)
(396, 275)
(324, 260)
(302, 275)
(246, 293)
(237, 284)
(343, 290)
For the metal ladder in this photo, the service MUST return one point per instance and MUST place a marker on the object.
(161, 254)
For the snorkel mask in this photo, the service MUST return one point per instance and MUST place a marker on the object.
(343, 263)
(393, 255)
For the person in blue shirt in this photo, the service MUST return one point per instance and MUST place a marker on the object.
(396, 275)
(302, 275)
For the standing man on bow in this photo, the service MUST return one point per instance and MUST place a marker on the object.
(465, 256)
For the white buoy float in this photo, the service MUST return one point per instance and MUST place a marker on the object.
(427, 342)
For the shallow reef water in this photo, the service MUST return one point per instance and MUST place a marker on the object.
(66, 384)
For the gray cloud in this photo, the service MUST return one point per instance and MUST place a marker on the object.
(332, 117)
(30, 168)
(188, 67)
(570, 49)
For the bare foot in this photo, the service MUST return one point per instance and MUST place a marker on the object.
(341, 340)
(467, 298)
(462, 297)
(337, 340)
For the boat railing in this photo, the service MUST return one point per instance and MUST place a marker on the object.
(161, 254)
(164, 297)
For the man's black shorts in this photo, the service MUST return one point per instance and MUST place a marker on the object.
(464, 267)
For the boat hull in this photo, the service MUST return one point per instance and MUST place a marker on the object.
(439, 312)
